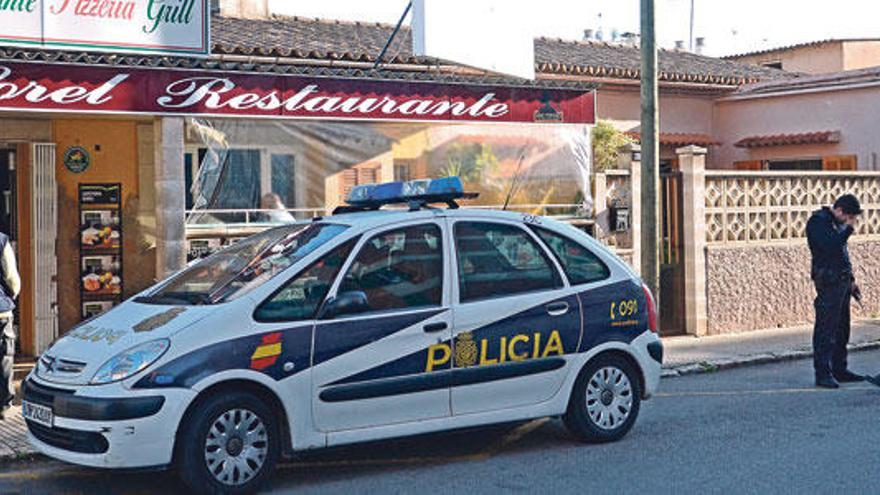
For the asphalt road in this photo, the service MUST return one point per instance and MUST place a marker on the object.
(763, 429)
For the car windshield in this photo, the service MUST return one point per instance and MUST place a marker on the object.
(244, 266)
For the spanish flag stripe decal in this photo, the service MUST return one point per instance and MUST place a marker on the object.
(260, 364)
(267, 351)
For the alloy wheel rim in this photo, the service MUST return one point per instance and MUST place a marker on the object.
(236, 447)
(609, 398)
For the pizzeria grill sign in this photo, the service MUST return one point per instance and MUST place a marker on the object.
(44, 87)
(173, 27)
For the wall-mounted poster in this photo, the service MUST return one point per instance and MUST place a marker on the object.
(101, 274)
(99, 194)
(94, 308)
(99, 229)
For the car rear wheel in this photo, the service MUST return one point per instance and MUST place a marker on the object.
(605, 400)
(229, 445)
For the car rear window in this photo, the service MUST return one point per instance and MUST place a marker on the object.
(581, 266)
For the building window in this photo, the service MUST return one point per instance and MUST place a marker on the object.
(776, 64)
(239, 184)
(284, 179)
(795, 164)
(401, 172)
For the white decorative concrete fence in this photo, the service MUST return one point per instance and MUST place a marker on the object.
(753, 249)
(760, 207)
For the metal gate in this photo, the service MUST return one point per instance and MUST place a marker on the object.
(672, 305)
(44, 221)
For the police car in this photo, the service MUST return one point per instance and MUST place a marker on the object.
(368, 324)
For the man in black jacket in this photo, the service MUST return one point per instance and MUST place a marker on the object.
(10, 285)
(827, 233)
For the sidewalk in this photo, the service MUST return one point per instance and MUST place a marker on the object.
(13, 436)
(683, 356)
(687, 355)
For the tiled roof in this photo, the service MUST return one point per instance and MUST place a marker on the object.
(611, 60)
(297, 37)
(808, 44)
(820, 137)
(679, 138)
(339, 40)
(322, 48)
(870, 75)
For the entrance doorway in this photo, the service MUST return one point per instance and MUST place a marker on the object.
(672, 308)
(8, 207)
(8, 216)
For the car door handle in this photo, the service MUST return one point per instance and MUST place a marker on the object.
(557, 308)
(435, 327)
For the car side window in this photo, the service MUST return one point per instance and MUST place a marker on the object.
(399, 269)
(497, 260)
(301, 297)
(580, 265)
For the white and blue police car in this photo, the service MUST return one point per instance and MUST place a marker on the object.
(368, 324)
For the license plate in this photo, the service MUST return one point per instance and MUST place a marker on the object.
(37, 413)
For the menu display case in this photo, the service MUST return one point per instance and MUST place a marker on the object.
(100, 247)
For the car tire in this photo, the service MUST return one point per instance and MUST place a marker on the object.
(211, 461)
(605, 400)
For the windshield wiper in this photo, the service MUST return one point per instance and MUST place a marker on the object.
(185, 298)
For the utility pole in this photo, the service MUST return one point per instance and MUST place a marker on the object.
(650, 154)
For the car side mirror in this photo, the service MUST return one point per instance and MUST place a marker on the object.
(345, 303)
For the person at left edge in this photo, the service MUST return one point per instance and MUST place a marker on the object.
(831, 270)
(9, 289)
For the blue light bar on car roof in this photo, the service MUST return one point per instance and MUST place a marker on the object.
(444, 190)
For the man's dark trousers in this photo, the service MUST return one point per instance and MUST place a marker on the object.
(7, 351)
(832, 329)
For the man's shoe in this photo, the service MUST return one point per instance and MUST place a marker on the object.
(827, 382)
(848, 377)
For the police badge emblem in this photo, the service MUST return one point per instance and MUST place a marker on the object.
(465, 350)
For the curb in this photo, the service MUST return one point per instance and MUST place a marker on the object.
(720, 364)
(11, 460)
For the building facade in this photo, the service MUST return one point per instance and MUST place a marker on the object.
(120, 168)
(817, 57)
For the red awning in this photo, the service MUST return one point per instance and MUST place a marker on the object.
(678, 138)
(820, 137)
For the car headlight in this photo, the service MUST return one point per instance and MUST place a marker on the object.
(131, 361)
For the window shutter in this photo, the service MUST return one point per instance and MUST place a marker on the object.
(749, 165)
(840, 162)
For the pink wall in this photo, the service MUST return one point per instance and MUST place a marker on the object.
(827, 57)
(861, 54)
(692, 114)
(855, 113)
(682, 114)
(820, 59)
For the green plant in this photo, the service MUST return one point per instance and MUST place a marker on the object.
(607, 141)
(471, 162)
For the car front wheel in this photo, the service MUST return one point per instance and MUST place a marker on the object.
(229, 445)
(605, 400)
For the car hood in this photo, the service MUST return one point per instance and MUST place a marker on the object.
(75, 358)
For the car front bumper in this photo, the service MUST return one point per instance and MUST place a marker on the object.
(107, 426)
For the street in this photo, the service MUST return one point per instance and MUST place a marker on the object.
(758, 429)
